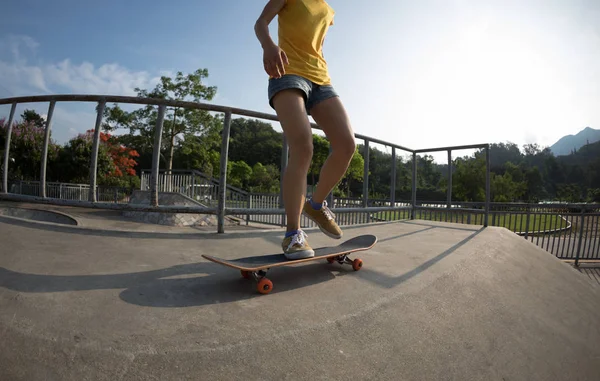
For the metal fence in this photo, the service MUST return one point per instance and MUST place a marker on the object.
(221, 209)
(568, 231)
(71, 192)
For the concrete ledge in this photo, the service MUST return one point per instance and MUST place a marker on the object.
(38, 215)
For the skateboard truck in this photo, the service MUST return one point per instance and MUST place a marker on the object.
(263, 285)
(343, 259)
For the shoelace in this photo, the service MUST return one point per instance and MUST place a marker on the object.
(327, 212)
(298, 239)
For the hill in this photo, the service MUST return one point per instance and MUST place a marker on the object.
(566, 144)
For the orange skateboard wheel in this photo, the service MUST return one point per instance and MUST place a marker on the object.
(245, 274)
(331, 259)
(264, 286)
(357, 264)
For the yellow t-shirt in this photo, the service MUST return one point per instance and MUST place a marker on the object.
(303, 25)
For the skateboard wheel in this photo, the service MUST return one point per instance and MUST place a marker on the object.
(357, 264)
(245, 274)
(331, 259)
(264, 286)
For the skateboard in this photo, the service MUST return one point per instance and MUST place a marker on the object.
(256, 267)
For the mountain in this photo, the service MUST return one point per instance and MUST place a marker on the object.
(566, 144)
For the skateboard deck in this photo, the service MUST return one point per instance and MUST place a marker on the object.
(257, 266)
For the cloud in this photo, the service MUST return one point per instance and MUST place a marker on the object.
(20, 77)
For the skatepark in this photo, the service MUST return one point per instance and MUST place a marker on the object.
(96, 287)
(103, 301)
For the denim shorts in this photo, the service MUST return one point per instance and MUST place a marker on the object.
(312, 92)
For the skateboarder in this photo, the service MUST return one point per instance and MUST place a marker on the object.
(299, 85)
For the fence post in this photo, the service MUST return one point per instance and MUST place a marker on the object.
(366, 175)
(487, 186)
(527, 222)
(7, 147)
(330, 196)
(393, 184)
(223, 174)
(95, 144)
(45, 150)
(414, 187)
(285, 151)
(248, 205)
(581, 230)
(156, 155)
(449, 192)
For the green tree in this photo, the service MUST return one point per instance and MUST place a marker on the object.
(239, 174)
(320, 154)
(178, 123)
(468, 183)
(264, 178)
(30, 116)
(354, 173)
(255, 141)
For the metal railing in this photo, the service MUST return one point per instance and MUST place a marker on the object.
(70, 191)
(221, 209)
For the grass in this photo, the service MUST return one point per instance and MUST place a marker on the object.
(512, 221)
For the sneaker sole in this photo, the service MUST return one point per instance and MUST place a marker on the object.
(324, 231)
(300, 254)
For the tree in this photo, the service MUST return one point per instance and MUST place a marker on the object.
(115, 161)
(178, 122)
(254, 141)
(27, 141)
(355, 171)
(320, 154)
(469, 180)
(264, 179)
(30, 116)
(238, 174)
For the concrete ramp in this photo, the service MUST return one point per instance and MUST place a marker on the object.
(433, 301)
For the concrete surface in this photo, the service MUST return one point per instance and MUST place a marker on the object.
(113, 220)
(37, 215)
(434, 301)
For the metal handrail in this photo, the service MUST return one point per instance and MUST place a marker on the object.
(228, 111)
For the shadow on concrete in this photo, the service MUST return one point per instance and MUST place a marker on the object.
(406, 234)
(202, 283)
(177, 286)
(390, 282)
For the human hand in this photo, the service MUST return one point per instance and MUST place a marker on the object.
(274, 59)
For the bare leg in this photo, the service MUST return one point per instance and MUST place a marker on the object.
(289, 105)
(331, 116)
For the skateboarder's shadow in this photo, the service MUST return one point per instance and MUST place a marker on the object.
(188, 285)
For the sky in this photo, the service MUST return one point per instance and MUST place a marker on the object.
(420, 74)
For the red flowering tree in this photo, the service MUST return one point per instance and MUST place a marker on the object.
(116, 162)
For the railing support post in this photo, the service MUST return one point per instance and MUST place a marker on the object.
(393, 179)
(285, 151)
(223, 174)
(581, 230)
(156, 155)
(7, 147)
(487, 185)
(449, 196)
(45, 150)
(330, 196)
(95, 144)
(414, 187)
(527, 222)
(366, 175)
